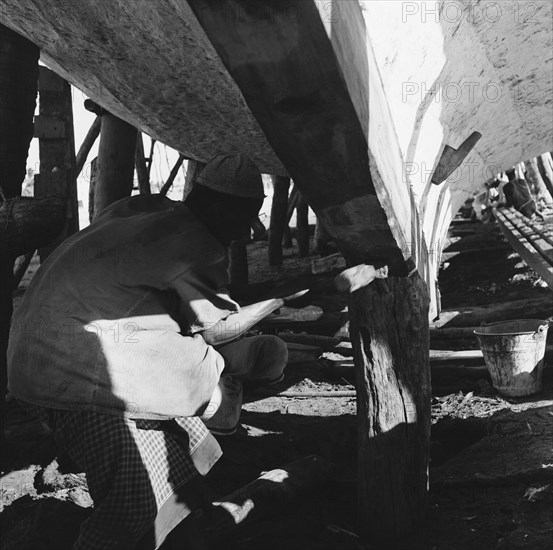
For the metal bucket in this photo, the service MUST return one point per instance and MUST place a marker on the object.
(513, 352)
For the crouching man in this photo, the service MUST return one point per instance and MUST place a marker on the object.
(128, 345)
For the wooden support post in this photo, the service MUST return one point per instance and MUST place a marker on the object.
(115, 162)
(6, 308)
(142, 173)
(292, 204)
(54, 128)
(193, 170)
(278, 223)
(317, 121)
(150, 158)
(18, 90)
(287, 238)
(86, 145)
(316, 118)
(302, 225)
(173, 174)
(390, 337)
(321, 239)
(92, 187)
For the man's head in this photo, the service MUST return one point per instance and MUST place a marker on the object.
(227, 196)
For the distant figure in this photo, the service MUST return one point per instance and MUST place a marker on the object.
(517, 194)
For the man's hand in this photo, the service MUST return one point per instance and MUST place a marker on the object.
(238, 323)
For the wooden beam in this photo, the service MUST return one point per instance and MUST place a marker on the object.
(172, 175)
(115, 162)
(535, 237)
(389, 333)
(49, 127)
(310, 96)
(292, 205)
(294, 85)
(270, 494)
(150, 158)
(27, 223)
(18, 89)
(92, 187)
(293, 200)
(142, 173)
(524, 247)
(321, 239)
(302, 225)
(57, 152)
(281, 186)
(6, 309)
(86, 145)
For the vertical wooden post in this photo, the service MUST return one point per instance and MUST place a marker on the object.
(142, 174)
(390, 336)
(279, 206)
(193, 170)
(6, 309)
(115, 162)
(18, 90)
(172, 176)
(302, 225)
(92, 187)
(54, 129)
(86, 145)
(292, 204)
(321, 239)
(150, 158)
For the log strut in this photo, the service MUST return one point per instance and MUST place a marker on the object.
(390, 337)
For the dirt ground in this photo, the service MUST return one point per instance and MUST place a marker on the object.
(491, 470)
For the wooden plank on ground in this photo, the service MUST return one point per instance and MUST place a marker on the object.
(525, 249)
(273, 493)
(532, 236)
(537, 229)
(469, 316)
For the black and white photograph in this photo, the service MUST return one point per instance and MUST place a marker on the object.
(276, 274)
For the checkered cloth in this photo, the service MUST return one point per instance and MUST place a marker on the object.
(133, 467)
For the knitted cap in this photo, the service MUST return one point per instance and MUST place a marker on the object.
(234, 174)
